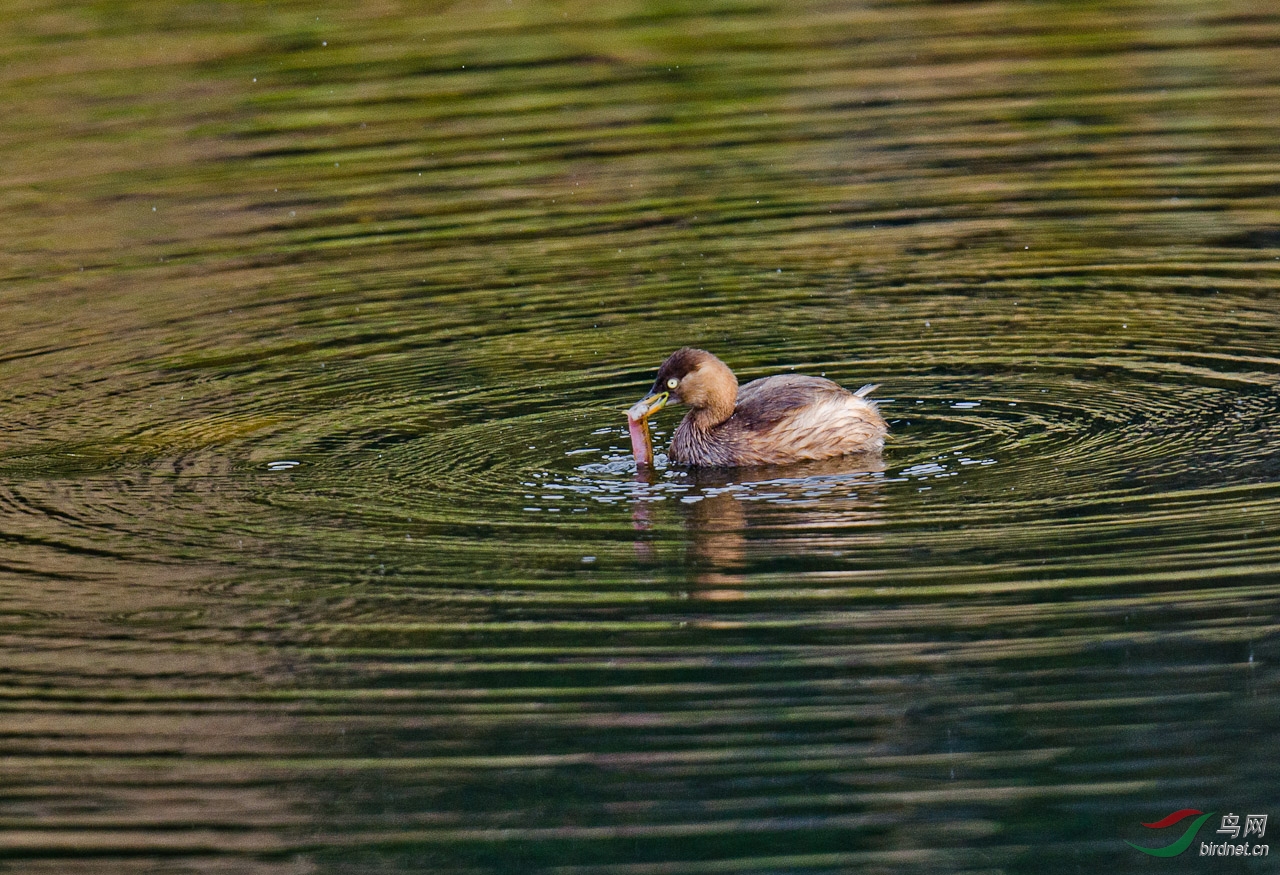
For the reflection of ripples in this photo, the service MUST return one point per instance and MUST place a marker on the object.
(452, 445)
(1041, 442)
(1051, 439)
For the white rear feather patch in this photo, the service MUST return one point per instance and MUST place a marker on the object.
(843, 422)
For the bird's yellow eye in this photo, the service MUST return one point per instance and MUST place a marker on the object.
(672, 383)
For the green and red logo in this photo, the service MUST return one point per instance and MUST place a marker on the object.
(1183, 841)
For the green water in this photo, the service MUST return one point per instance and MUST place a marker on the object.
(321, 548)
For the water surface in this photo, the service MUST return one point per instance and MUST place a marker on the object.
(323, 550)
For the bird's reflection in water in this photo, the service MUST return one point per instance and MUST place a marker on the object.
(725, 504)
(718, 525)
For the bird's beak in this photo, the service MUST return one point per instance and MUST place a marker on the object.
(642, 410)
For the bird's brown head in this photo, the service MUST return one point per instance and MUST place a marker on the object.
(697, 378)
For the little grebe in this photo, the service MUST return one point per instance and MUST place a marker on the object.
(771, 421)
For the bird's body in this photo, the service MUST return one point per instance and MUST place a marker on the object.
(781, 419)
(771, 421)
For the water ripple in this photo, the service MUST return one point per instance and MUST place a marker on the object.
(324, 549)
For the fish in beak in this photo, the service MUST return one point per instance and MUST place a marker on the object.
(638, 427)
(642, 410)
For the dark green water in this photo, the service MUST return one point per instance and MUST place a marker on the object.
(321, 550)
